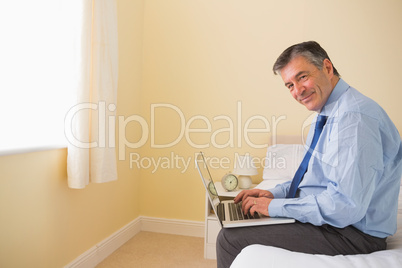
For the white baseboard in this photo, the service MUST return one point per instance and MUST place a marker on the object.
(177, 227)
(100, 251)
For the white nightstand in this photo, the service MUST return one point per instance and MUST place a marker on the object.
(212, 226)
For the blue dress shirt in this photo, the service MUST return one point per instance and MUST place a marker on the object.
(354, 174)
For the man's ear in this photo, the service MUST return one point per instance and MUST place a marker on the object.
(328, 68)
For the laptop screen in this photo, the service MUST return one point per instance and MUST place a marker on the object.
(207, 180)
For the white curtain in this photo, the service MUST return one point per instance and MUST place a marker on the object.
(90, 122)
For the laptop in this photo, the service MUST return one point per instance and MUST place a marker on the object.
(230, 215)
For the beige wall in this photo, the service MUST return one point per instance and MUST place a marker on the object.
(43, 222)
(201, 57)
(205, 56)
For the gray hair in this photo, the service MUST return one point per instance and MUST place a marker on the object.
(310, 50)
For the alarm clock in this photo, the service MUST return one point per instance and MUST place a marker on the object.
(229, 182)
(212, 189)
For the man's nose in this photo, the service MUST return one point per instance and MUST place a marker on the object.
(299, 88)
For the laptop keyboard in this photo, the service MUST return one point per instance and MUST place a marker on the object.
(237, 214)
(221, 211)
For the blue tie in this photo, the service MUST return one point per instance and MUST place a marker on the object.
(321, 120)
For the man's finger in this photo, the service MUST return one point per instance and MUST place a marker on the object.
(240, 196)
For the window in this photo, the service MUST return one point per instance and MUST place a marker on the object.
(37, 84)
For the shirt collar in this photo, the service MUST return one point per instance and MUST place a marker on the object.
(340, 88)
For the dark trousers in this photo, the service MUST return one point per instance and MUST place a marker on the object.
(299, 237)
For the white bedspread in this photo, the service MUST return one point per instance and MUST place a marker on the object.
(265, 256)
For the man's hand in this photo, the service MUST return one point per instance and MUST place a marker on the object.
(252, 205)
(254, 193)
(255, 200)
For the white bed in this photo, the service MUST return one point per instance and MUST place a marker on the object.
(276, 172)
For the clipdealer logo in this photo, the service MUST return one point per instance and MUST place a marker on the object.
(107, 123)
(236, 131)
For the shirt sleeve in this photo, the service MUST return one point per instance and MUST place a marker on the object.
(346, 174)
(280, 191)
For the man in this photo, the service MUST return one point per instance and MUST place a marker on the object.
(347, 200)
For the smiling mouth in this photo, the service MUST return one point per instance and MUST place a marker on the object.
(306, 99)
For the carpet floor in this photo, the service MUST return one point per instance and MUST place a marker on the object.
(148, 249)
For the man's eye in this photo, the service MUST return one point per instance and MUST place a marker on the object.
(290, 87)
(303, 78)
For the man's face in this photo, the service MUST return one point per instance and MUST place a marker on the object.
(307, 84)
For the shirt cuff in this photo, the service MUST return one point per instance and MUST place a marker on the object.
(277, 192)
(275, 208)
